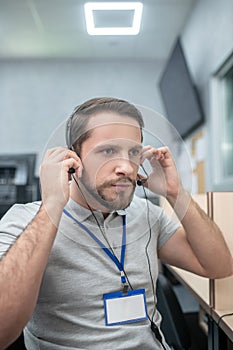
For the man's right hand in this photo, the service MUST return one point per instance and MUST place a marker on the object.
(54, 177)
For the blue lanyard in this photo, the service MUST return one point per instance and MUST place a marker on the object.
(119, 264)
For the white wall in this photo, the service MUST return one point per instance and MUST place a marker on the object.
(37, 95)
(208, 37)
(208, 40)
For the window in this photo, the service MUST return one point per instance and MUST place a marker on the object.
(227, 137)
(222, 127)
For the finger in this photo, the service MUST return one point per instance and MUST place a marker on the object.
(54, 152)
(59, 154)
(147, 153)
(62, 156)
(142, 180)
(75, 164)
(159, 154)
(162, 152)
(72, 154)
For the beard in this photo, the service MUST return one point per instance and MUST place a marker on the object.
(107, 194)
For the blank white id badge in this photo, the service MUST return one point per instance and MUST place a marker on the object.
(121, 308)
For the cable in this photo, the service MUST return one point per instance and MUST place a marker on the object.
(154, 327)
(93, 214)
(148, 243)
(147, 254)
(225, 315)
(102, 232)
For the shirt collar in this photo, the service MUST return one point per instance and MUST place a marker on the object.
(83, 213)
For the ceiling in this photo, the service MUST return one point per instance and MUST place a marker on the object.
(56, 29)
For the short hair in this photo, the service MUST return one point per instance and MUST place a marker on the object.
(76, 129)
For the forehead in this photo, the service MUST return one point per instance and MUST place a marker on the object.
(107, 126)
(105, 118)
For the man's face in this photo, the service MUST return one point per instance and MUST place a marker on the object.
(110, 158)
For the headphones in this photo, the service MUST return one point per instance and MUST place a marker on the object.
(69, 128)
(140, 182)
(69, 136)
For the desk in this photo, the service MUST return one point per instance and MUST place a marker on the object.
(198, 286)
(226, 323)
(214, 296)
(222, 293)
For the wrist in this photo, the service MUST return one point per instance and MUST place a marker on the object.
(180, 202)
(173, 195)
(53, 211)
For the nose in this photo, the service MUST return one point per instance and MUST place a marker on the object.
(124, 167)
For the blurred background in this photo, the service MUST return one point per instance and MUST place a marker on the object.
(179, 64)
(178, 69)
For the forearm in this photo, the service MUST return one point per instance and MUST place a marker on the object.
(204, 236)
(21, 271)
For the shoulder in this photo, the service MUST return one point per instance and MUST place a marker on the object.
(14, 222)
(143, 204)
(21, 213)
(142, 207)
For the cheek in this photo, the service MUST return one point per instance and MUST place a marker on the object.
(91, 163)
(104, 172)
(98, 171)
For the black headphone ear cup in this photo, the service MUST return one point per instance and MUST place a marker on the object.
(71, 171)
(140, 182)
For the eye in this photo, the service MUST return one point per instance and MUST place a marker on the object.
(135, 152)
(108, 151)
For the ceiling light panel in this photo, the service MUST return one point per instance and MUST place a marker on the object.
(124, 11)
(113, 18)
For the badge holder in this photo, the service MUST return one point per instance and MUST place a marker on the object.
(125, 307)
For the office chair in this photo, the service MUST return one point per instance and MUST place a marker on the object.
(173, 326)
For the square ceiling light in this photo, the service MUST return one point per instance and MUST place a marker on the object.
(107, 9)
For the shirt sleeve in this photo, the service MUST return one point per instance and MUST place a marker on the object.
(168, 228)
(13, 224)
(164, 226)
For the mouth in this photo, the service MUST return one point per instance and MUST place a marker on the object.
(122, 186)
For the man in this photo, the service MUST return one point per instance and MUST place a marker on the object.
(79, 268)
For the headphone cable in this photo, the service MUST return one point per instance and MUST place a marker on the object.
(154, 327)
(102, 232)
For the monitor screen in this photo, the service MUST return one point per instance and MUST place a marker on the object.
(179, 94)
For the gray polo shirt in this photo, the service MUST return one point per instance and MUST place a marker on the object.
(69, 313)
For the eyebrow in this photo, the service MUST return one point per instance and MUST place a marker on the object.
(116, 146)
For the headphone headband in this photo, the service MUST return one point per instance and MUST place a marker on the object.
(69, 128)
